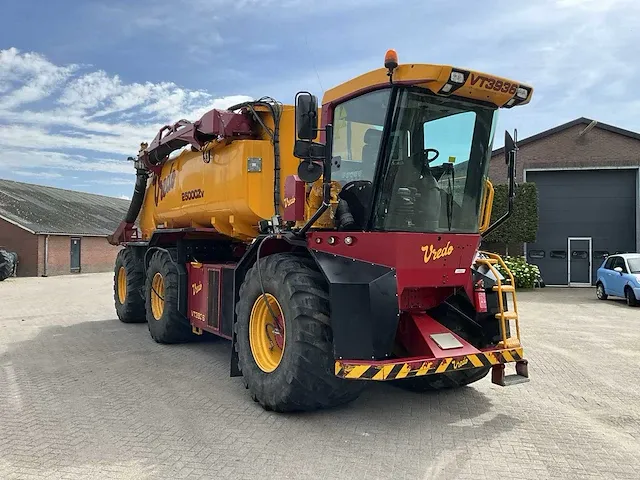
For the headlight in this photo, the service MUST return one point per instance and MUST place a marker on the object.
(457, 77)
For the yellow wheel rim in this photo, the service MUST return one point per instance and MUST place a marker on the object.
(157, 296)
(122, 285)
(266, 334)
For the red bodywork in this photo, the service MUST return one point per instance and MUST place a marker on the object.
(429, 267)
(204, 306)
(294, 199)
(405, 252)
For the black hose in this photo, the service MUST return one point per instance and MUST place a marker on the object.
(276, 112)
(138, 196)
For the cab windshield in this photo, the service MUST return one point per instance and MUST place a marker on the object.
(433, 167)
(438, 155)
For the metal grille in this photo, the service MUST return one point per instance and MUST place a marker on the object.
(214, 293)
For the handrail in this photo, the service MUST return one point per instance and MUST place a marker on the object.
(500, 289)
(487, 206)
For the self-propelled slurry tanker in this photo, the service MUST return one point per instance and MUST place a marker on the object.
(333, 245)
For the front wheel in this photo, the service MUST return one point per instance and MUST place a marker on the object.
(284, 339)
(600, 292)
(632, 301)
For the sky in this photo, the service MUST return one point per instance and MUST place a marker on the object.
(82, 84)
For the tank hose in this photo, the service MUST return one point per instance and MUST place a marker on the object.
(138, 196)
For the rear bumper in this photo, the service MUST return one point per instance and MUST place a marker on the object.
(420, 366)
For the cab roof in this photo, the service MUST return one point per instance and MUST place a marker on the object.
(444, 80)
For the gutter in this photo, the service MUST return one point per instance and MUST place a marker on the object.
(46, 254)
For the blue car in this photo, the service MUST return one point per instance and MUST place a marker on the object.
(619, 276)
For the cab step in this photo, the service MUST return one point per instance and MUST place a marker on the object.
(521, 376)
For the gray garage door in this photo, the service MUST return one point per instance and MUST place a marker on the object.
(583, 204)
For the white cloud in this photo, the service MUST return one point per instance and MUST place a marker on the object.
(26, 173)
(80, 111)
(27, 160)
(28, 77)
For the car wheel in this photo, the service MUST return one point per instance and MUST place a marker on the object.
(600, 293)
(631, 298)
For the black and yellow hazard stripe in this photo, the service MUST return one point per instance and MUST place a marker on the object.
(392, 371)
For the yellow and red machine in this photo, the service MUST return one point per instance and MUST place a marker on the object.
(331, 262)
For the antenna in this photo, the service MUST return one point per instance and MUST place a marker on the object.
(314, 64)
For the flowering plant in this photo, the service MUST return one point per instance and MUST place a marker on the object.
(525, 274)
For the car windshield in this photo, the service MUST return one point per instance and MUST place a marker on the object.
(634, 264)
(437, 158)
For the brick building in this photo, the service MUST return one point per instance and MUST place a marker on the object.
(588, 177)
(56, 231)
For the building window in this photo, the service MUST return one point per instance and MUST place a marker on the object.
(536, 253)
(600, 254)
(579, 254)
(557, 254)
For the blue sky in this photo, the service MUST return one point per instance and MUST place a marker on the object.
(83, 83)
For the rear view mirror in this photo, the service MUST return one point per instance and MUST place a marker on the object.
(309, 171)
(306, 116)
(509, 146)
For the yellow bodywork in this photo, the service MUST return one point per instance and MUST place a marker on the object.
(478, 86)
(215, 188)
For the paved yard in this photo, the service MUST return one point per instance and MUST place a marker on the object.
(84, 396)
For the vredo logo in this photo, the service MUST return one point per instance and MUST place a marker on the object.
(431, 253)
(165, 185)
(196, 287)
(289, 201)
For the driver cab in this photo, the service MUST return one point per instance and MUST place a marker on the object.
(428, 183)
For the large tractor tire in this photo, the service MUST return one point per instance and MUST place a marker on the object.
(441, 381)
(128, 287)
(166, 323)
(287, 362)
(6, 265)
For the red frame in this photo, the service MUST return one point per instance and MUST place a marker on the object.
(198, 295)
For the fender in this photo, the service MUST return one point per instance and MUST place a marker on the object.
(364, 306)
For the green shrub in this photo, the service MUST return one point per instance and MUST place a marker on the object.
(525, 274)
(522, 225)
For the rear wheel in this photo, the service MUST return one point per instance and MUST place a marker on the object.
(6, 265)
(128, 284)
(166, 323)
(600, 292)
(632, 301)
(284, 339)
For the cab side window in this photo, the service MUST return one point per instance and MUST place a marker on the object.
(357, 136)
